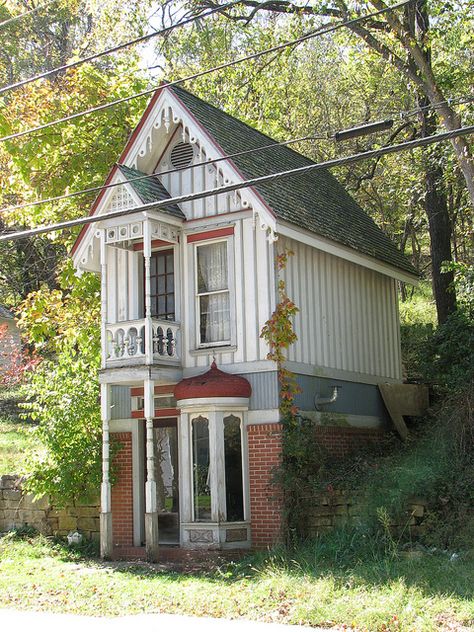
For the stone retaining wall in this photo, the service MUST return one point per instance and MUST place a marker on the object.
(338, 508)
(18, 509)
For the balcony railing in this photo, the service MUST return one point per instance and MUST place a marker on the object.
(128, 342)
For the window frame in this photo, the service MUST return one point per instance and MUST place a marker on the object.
(230, 291)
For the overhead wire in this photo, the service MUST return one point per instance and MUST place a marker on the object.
(15, 18)
(114, 49)
(329, 135)
(295, 42)
(251, 182)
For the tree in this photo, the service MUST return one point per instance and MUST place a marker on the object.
(62, 394)
(406, 44)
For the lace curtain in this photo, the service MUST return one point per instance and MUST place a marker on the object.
(213, 290)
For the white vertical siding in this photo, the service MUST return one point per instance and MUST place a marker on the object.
(348, 318)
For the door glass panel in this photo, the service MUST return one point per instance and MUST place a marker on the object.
(234, 492)
(201, 479)
(166, 476)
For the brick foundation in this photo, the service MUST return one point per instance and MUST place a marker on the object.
(122, 491)
(341, 441)
(264, 444)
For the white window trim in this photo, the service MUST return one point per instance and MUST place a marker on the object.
(229, 240)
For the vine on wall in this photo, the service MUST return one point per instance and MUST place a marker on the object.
(279, 333)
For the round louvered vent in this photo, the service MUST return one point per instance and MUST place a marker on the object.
(182, 155)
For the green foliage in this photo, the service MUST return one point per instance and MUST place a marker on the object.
(279, 333)
(62, 395)
(63, 398)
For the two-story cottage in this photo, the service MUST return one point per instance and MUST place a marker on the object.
(186, 386)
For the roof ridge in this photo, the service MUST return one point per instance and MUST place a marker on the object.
(252, 129)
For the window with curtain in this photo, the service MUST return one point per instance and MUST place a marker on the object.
(213, 293)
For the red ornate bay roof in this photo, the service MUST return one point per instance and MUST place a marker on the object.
(213, 383)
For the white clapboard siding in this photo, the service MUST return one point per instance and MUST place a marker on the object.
(252, 286)
(348, 318)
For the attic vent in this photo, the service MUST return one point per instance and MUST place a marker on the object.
(182, 155)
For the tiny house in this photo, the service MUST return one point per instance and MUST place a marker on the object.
(186, 386)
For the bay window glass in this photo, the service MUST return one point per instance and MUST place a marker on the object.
(213, 293)
(234, 491)
(201, 478)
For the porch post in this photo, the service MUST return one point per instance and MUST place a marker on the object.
(148, 322)
(103, 297)
(151, 513)
(105, 489)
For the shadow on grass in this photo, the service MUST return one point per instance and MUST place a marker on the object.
(341, 556)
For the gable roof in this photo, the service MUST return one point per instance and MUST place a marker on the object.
(150, 190)
(314, 201)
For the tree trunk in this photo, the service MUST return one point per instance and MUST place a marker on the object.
(439, 223)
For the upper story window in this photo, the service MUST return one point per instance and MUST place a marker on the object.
(162, 285)
(213, 296)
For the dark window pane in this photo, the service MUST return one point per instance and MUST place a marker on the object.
(169, 263)
(201, 482)
(234, 492)
(161, 306)
(161, 284)
(161, 264)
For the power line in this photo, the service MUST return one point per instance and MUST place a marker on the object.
(329, 135)
(160, 173)
(315, 33)
(114, 49)
(23, 15)
(336, 162)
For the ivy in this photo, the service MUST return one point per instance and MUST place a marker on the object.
(279, 333)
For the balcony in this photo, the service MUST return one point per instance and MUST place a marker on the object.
(145, 341)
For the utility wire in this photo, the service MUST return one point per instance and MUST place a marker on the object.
(336, 162)
(315, 33)
(114, 49)
(22, 15)
(327, 136)
(161, 173)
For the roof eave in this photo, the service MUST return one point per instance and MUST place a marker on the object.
(337, 249)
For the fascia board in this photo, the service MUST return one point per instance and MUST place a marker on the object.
(184, 115)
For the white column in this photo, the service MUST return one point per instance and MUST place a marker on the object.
(151, 514)
(103, 297)
(148, 322)
(105, 490)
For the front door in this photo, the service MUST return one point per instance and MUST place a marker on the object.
(165, 437)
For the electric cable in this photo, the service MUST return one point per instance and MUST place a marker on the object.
(315, 33)
(114, 49)
(335, 162)
(327, 136)
(14, 18)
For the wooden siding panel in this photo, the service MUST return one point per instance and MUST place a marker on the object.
(348, 314)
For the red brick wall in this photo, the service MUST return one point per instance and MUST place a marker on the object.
(122, 492)
(264, 444)
(340, 441)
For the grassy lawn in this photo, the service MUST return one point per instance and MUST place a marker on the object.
(363, 589)
(16, 438)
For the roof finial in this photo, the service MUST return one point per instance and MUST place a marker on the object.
(214, 364)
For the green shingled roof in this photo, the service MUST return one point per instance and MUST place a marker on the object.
(315, 201)
(150, 190)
